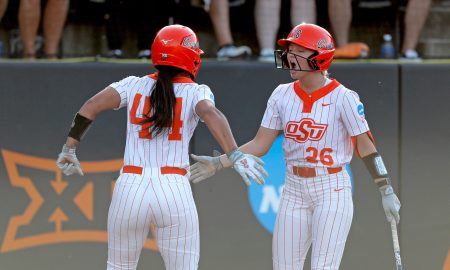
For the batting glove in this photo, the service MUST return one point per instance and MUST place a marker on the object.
(391, 203)
(205, 167)
(68, 162)
(248, 166)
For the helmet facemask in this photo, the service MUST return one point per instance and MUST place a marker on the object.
(282, 61)
(314, 38)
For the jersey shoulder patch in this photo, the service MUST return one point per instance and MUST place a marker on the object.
(352, 95)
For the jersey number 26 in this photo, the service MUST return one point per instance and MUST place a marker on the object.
(324, 155)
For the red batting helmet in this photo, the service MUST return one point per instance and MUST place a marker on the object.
(315, 38)
(177, 46)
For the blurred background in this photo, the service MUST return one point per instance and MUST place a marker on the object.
(55, 54)
(85, 28)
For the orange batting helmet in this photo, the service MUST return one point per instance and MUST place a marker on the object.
(177, 46)
(315, 38)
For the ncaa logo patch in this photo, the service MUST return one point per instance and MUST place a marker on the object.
(265, 199)
(361, 110)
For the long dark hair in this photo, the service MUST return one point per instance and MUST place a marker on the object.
(162, 99)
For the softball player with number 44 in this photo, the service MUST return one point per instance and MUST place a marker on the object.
(323, 121)
(153, 188)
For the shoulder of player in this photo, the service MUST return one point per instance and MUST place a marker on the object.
(344, 96)
(125, 83)
(281, 90)
(129, 79)
(345, 92)
(199, 88)
(134, 80)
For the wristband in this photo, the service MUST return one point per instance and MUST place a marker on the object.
(234, 155)
(80, 125)
(377, 169)
(386, 190)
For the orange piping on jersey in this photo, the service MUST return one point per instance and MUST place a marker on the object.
(177, 79)
(355, 145)
(309, 99)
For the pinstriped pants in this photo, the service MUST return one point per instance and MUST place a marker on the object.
(315, 211)
(151, 198)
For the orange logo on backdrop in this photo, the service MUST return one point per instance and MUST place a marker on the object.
(84, 200)
(447, 262)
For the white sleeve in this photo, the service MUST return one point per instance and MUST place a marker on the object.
(272, 117)
(353, 114)
(123, 87)
(203, 92)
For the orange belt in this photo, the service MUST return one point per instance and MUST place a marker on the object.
(311, 172)
(164, 170)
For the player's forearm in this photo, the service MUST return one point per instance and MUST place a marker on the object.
(372, 160)
(220, 129)
(90, 109)
(104, 100)
(261, 143)
(253, 148)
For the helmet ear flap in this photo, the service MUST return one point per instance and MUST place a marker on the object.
(312, 61)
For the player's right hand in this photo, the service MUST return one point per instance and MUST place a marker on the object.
(248, 166)
(68, 162)
(205, 167)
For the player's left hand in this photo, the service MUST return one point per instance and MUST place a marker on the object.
(205, 167)
(68, 162)
(391, 203)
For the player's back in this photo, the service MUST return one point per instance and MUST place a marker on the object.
(170, 147)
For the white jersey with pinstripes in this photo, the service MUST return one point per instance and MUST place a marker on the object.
(314, 210)
(170, 148)
(145, 194)
(318, 127)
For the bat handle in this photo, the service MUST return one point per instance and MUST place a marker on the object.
(395, 235)
(398, 260)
